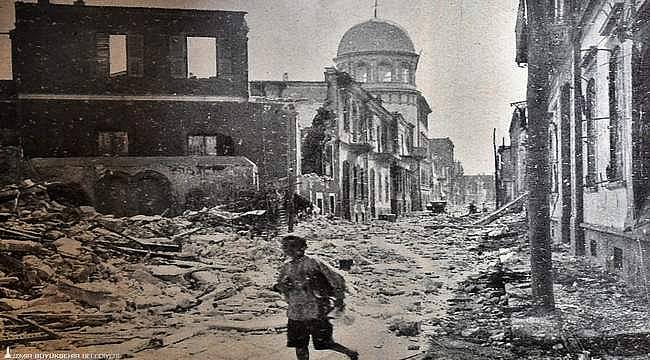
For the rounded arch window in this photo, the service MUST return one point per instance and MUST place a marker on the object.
(362, 72)
(384, 72)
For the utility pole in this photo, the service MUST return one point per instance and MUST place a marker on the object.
(537, 165)
(293, 164)
(496, 167)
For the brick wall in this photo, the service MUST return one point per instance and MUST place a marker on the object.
(55, 49)
(70, 128)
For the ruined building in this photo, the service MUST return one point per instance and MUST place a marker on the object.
(511, 165)
(598, 131)
(117, 102)
(375, 156)
(441, 151)
(381, 56)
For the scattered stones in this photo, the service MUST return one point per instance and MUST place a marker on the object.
(402, 327)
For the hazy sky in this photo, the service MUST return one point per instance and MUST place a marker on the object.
(466, 70)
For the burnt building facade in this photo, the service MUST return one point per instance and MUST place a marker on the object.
(511, 159)
(145, 83)
(598, 130)
(441, 152)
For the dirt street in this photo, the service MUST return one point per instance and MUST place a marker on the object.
(198, 286)
(402, 277)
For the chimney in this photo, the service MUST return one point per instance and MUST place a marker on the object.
(79, 2)
(285, 77)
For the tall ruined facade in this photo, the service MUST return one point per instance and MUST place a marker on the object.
(99, 82)
(598, 132)
(380, 56)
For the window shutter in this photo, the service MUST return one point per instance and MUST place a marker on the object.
(135, 55)
(102, 60)
(178, 57)
(224, 59)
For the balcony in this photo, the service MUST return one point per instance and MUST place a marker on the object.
(387, 156)
(417, 153)
(360, 147)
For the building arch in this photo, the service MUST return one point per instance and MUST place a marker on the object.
(345, 184)
(151, 193)
(112, 194)
(69, 194)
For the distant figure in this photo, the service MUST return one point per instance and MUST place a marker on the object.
(472, 208)
(309, 286)
(315, 210)
(485, 209)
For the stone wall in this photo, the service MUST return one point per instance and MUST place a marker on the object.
(152, 185)
(70, 128)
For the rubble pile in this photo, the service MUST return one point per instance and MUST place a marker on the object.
(597, 310)
(65, 269)
(583, 288)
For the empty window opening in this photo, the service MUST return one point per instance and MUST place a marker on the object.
(113, 143)
(201, 57)
(590, 108)
(117, 54)
(332, 204)
(362, 73)
(215, 145)
(406, 74)
(615, 167)
(385, 73)
(618, 258)
(593, 246)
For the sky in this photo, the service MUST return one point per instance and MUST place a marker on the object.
(466, 70)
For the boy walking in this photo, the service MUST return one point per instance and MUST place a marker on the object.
(308, 286)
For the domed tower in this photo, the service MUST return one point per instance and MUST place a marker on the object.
(381, 55)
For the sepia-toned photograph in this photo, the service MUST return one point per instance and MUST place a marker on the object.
(325, 179)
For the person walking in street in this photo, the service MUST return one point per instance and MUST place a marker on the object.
(312, 290)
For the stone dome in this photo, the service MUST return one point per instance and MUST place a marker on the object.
(375, 35)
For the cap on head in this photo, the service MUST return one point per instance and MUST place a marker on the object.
(294, 240)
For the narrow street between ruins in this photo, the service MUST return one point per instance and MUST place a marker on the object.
(402, 277)
(428, 286)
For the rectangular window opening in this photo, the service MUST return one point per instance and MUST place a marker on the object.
(618, 258)
(214, 145)
(113, 143)
(201, 57)
(117, 55)
(593, 246)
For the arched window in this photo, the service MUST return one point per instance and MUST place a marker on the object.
(346, 110)
(385, 72)
(379, 187)
(356, 128)
(379, 140)
(371, 183)
(615, 168)
(590, 108)
(362, 72)
(387, 188)
(405, 73)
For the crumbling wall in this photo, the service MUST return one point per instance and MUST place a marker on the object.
(11, 165)
(259, 131)
(152, 185)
